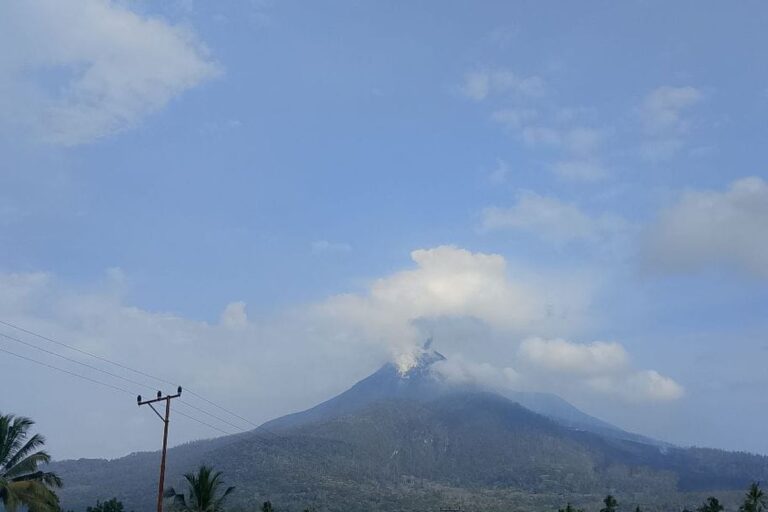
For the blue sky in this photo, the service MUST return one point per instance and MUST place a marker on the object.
(586, 180)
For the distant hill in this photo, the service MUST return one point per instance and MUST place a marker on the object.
(395, 442)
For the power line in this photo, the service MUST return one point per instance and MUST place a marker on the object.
(212, 415)
(222, 408)
(131, 381)
(65, 371)
(203, 423)
(105, 384)
(119, 365)
(258, 427)
(13, 326)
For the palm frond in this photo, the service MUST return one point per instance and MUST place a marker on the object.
(27, 465)
(34, 442)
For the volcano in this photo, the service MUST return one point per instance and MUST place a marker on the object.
(401, 440)
(420, 384)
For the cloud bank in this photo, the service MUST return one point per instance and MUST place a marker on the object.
(552, 219)
(706, 228)
(603, 367)
(664, 114)
(525, 107)
(244, 361)
(73, 72)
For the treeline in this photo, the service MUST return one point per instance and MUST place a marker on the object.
(754, 501)
(25, 485)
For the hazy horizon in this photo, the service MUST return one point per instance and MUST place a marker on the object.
(266, 201)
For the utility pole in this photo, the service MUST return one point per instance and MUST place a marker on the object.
(165, 421)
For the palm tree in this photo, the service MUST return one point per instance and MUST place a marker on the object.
(754, 501)
(711, 505)
(21, 482)
(610, 504)
(202, 492)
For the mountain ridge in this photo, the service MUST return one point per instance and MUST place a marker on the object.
(420, 383)
(404, 440)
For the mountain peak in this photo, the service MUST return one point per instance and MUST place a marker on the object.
(424, 360)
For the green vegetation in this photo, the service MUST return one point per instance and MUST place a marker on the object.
(476, 450)
(203, 492)
(754, 501)
(711, 505)
(112, 505)
(610, 504)
(22, 483)
(463, 448)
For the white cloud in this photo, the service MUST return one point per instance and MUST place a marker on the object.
(244, 363)
(558, 355)
(446, 282)
(706, 228)
(662, 109)
(578, 146)
(240, 363)
(597, 369)
(601, 367)
(663, 114)
(77, 71)
(459, 370)
(652, 385)
(551, 219)
(481, 84)
(234, 315)
(529, 113)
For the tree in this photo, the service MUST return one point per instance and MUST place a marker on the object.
(113, 505)
(711, 505)
(569, 508)
(22, 483)
(754, 501)
(267, 507)
(610, 504)
(202, 492)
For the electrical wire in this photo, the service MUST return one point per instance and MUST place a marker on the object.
(105, 384)
(119, 365)
(131, 381)
(203, 423)
(104, 359)
(125, 379)
(66, 371)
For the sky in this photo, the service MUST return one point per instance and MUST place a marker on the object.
(266, 201)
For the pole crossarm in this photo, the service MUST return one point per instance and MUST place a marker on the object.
(159, 398)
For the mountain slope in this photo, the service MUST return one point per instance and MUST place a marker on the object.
(396, 442)
(420, 384)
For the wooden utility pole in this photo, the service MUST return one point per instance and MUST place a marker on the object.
(165, 420)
